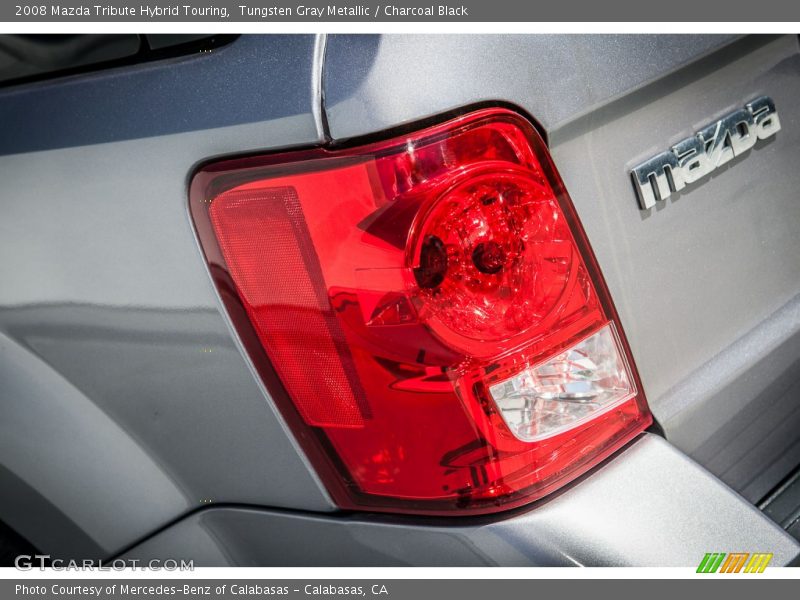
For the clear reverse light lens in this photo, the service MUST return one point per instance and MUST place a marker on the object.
(569, 388)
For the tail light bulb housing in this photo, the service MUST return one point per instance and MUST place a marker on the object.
(427, 313)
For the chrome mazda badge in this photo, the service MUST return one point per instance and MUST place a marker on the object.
(697, 156)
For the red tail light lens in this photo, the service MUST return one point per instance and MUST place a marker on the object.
(427, 313)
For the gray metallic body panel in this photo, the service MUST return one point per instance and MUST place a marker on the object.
(738, 414)
(376, 82)
(648, 506)
(126, 401)
(691, 277)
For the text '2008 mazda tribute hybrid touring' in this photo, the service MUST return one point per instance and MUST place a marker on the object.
(400, 299)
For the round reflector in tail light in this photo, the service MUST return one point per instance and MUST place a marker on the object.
(507, 260)
(426, 312)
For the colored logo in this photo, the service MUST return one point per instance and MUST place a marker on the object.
(736, 562)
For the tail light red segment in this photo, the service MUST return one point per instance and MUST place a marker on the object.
(427, 313)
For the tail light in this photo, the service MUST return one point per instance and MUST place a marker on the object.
(427, 313)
